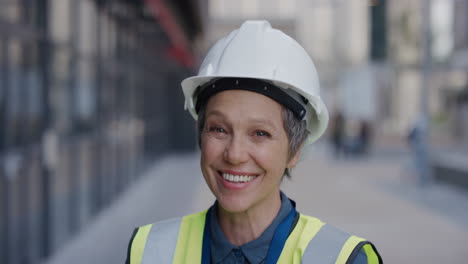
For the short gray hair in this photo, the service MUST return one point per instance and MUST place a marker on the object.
(296, 130)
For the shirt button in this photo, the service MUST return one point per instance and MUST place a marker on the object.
(237, 252)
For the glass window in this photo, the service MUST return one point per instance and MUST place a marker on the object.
(2, 96)
(34, 102)
(1, 75)
(23, 93)
(59, 87)
(14, 93)
(85, 106)
(10, 11)
(59, 20)
(87, 21)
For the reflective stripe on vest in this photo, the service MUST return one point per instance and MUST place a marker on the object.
(155, 242)
(180, 241)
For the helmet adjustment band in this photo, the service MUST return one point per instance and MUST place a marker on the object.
(205, 91)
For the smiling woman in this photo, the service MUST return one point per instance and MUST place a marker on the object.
(243, 135)
(257, 103)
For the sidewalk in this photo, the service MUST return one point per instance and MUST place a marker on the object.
(172, 187)
(374, 198)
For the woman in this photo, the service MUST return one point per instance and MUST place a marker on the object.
(256, 101)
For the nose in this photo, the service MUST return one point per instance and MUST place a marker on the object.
(236, 151)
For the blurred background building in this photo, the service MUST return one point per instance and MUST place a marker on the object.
(370, 54)
(84, 88)
(90, 94)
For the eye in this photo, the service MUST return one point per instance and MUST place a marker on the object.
(216, 129)
(261, 133)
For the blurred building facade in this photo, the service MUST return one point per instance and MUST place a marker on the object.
(434, 40)
(371, 55)
(334, 33)
(456, 94)
(89, 94)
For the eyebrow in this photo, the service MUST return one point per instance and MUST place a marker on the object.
(263, 122)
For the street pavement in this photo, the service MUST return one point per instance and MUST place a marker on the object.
(376, 197)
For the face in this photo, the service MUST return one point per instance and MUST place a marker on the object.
(244, 149)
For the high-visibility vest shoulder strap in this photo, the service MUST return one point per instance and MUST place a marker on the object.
(170, 241)
(306, 228)
(313, 241)
(190, 239)
(353, 246)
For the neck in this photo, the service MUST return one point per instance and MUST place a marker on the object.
(243, 227)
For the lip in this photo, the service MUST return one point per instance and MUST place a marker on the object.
(236, 185)
(238, 173)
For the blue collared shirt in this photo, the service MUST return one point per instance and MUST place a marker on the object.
(253, 252)
(222, 251)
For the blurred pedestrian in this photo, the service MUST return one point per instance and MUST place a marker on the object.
(257, 103)
(338, 134)
(359, 144)
(416, 140)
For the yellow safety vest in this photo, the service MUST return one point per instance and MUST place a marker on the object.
(179, 241)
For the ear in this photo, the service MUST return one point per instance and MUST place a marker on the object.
(293, 160)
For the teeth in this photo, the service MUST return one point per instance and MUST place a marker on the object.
(237, 178)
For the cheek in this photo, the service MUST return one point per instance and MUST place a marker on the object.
(206, 159)
(210, 149)
(274, 157)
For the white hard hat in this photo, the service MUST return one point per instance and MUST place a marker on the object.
(257, 57)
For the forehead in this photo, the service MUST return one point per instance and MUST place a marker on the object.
(244, 104)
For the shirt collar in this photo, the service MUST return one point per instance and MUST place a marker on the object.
(255, 251)
(220, 246)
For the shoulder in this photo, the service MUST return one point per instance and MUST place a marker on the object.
(145, 232)
(161, 237)
(326, 240)
(166, 226)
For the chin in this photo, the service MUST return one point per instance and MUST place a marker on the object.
(234, 204)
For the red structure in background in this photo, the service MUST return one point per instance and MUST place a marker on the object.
(180, 45)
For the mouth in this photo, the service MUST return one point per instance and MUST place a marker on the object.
(237, 177)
